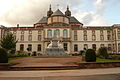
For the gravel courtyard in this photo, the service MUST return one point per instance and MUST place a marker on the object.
(40, 62)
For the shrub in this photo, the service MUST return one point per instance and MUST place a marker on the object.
(3, 56)
(103, 52)
(90, 55)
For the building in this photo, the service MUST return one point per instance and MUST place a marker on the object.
(73, 35)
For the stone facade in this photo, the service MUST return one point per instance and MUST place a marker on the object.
(73, 34)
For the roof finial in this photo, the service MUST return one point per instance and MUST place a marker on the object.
(58, 6)
(50, 6)
(67, 7)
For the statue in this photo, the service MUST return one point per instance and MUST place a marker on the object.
(55, 49)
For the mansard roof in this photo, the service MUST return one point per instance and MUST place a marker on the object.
(72, 20)
(58, 13)
(43, 20)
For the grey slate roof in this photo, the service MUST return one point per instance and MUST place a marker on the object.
(58, 13)
(73, 20)
(43, 20)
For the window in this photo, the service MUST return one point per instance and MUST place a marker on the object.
(22, 38)
(75, 48)
(30, 32)
(75, 32)
(14, 32)
(85, 46)
(65, 33)
(30, 38)
(49, 33)
(119, 47)
(65, 46)
(101, 45)
(85, 32)
(39, 32)
(94, 46)
(108, 32)
(118, 30)
(21, 47)
(101, 32)
(85, 37)
(22, 32)
(39, 47)
(93, 32)
(57, 33)
(109, 37)
(39, 37)
(101, 37)
(118, 35)
(93, 37)
(113, 47)
(75, 37)
(29, 47)
(109, 47)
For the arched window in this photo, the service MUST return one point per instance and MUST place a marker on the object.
(65, 33)
(49, 33)
(57, 33)
(21, 47)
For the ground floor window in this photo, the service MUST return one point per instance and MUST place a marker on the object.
(21, 47)
(119, 47)
(39, 47)
(94, 46)
(101, 45)
(65, 45)
(85, 46)
(29, 47)
(75, 48)
(109, 47)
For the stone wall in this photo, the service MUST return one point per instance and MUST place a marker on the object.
(99, 65)
(4, 66)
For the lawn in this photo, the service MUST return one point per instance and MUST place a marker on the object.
(17, 57)
(105, 60)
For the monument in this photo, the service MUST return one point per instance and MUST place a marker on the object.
(55, 49)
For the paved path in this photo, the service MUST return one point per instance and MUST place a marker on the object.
(59, 72)
(39, 62)
(82, 74)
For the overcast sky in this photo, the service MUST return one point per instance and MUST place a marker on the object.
(88, 12)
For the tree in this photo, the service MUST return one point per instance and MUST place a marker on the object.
(90, 55)
(103, 52)
(3, 56)
(8, 42)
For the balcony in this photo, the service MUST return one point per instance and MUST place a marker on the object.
(61, 39)
(66, 39)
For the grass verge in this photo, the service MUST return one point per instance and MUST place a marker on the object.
(13, 63)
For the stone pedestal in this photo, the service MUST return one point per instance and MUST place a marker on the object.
(55, 49)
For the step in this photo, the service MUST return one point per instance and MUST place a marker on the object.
(45, 68)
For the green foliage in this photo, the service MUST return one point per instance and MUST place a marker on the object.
(3, 56)
(106, 60)
(8, 42)
(17, 54)
(90, 55)
(103, 52)
(13, 63)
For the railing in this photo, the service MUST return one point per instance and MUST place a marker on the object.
(62, 39)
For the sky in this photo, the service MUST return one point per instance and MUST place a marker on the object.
(88, 12)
